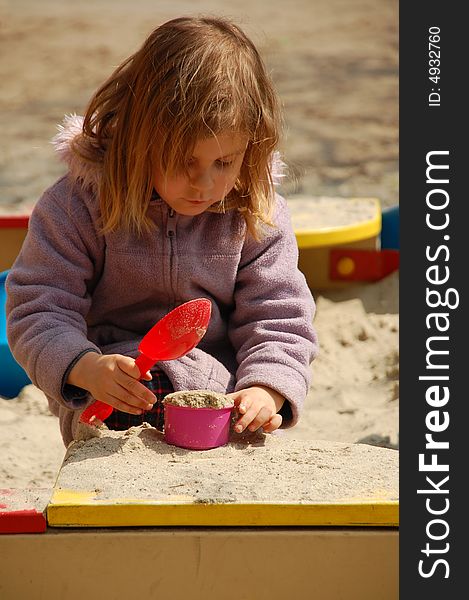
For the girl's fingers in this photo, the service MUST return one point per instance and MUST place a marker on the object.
(128, 397)
(273, 424)
(128, 366)
(147, 376)
(145, 402)
(118, 404)
(236, 397)
(242, 408)
(253, 418)
(263, 416)
(133, 387)
(247, 415)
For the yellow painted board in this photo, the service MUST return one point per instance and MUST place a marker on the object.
(68, 508)
(326, 221)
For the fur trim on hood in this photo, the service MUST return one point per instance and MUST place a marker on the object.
(86, 172)
(89, 173)
(278, 168)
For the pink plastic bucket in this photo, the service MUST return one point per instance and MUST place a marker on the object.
(196, 428)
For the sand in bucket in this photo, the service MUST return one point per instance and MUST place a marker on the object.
(197, 419)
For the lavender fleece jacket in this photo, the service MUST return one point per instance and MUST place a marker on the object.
(73, 290)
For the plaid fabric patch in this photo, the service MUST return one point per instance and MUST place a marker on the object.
(160, 385)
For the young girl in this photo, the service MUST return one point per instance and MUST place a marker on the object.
(169, 197)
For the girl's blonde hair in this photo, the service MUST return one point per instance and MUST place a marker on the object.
(192, 78)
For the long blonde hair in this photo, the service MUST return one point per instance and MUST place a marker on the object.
(192, 78)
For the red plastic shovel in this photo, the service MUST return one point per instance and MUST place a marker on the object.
(176, 334)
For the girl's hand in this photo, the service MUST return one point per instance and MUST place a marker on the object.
(114, 380)
(258, 406)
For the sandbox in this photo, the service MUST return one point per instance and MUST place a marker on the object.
(262, 517)
(134, 478)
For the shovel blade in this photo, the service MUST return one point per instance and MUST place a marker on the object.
(178, 332)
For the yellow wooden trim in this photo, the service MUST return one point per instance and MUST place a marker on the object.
(344, 234)
(86, 512)
(335, 236)
(67, 497)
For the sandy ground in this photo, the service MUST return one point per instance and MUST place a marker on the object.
(249, 468)
(334, 63)
(335, 66)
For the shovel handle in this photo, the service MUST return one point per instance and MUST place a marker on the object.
(97, 410)
(144, 363)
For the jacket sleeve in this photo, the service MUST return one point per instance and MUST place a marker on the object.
(48, 293)
(271, 327)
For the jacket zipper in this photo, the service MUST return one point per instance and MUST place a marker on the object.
(171, 233)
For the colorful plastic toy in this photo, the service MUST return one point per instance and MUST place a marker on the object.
(12, 377)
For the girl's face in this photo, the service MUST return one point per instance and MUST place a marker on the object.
(211, 174)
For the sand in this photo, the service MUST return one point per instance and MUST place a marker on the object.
(199, 399)
(31, 448)
(334, 63)
(250, 468)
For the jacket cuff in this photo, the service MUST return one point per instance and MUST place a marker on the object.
(76, 397)
(53, 364)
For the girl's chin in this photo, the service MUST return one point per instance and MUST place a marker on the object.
(189, 208)
(193, 209)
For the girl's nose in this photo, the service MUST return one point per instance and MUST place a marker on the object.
(201, 180)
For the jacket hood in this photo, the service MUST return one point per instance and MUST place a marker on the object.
(89, 173)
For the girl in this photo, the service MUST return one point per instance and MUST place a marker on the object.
(169, 197)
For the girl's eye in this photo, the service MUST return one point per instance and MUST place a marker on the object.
(222, 163)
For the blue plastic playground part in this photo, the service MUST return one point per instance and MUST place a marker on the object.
(12, 377)
(390, 228)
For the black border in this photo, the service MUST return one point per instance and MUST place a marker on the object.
(425, 128)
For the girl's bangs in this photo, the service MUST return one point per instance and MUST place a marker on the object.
(178, 144)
